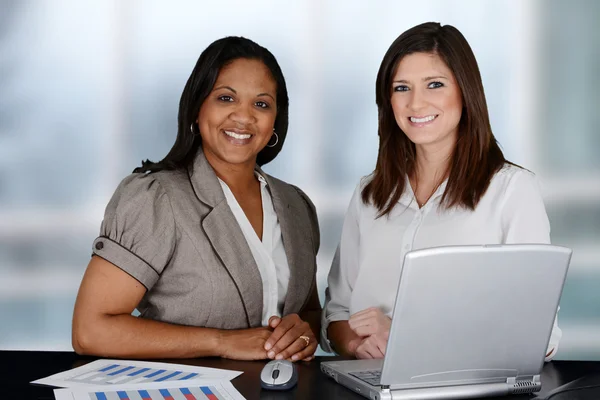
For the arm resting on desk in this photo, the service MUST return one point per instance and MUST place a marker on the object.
(103, 324)
(342, 338)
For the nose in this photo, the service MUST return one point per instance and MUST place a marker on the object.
(243, 114)
(417, 100)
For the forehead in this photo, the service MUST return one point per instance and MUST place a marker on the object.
(419, 65)
(245, 73)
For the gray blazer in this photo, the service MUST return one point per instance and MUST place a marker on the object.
(174, 232)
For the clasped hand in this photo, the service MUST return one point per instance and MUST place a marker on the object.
(373, 330)
(292, 339)
(287, 338)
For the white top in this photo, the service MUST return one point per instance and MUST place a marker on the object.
(366, 268)
(269, 253)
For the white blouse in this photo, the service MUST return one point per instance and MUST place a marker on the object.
(269, 253)
(366, 268)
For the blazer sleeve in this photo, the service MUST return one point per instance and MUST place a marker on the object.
(138, 231)
(344, 265)
(524, 220)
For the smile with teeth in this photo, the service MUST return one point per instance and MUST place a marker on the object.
(240, 136)
(423, 119)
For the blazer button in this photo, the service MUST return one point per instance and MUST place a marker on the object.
(99, 245)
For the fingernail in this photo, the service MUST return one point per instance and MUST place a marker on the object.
(279, 357)
(268, 346)
(271, 354)
(294, 357)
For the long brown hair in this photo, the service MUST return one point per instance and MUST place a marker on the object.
(476, 156)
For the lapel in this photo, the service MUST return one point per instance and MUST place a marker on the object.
(227, 239)
(296, 232)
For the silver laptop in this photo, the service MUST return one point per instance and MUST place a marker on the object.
(469, 321)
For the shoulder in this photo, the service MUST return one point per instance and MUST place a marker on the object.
(509, 171)
(291, 192)
(511, 176)
(166, 180)
(138, 187)
(363, 182)
(356, 202)
(305, 199)
(144, 191)
(515, 182)
(299, 200)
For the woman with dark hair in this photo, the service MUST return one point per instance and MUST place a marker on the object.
(218, 256)
(440, 179)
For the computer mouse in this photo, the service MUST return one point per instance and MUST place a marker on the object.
(279, 375)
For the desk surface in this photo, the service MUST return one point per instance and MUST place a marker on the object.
(18, 368)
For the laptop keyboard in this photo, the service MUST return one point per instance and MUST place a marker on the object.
(371, 377)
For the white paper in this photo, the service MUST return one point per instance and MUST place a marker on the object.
(220, 389)
(120, 372)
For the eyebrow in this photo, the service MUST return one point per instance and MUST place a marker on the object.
(234, 91)
(424, 79)
(225, 87)
(265, 94)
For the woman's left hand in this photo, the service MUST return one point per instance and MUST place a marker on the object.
(292, 339)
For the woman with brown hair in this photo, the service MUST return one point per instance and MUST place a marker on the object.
(440, 179)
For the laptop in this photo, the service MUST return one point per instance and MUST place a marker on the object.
(468, 322)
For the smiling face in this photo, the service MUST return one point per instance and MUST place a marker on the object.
(236, 119)
(426, 100)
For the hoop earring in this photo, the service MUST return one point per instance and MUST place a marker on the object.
(276, 139)
(192, 127)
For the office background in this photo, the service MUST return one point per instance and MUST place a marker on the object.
(89, 89)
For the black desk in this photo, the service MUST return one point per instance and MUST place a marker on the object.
(18, 368)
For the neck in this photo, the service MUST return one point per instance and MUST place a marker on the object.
(432, 161)
(239, 177)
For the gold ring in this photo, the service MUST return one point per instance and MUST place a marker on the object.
(306, 339)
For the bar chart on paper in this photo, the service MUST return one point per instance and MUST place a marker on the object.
(118, 372)
(191, 393)
(123, 373)
(213, 390)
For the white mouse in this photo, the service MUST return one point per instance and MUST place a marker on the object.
(279, 375)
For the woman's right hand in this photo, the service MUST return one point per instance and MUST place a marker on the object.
(372, 327)
(373, 346)
(370, 322)
(244, 344)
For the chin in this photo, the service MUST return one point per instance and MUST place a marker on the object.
(426, 138)
(422, 139)
(232, 158)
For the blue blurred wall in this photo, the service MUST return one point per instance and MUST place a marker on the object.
(89, 89)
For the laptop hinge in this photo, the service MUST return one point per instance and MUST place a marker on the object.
(531, 378)
(524, 384)
(385, 387)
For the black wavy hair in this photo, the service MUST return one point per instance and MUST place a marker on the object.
(199, 85)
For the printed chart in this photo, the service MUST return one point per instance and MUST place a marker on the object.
(112, 372)
(211, 390)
